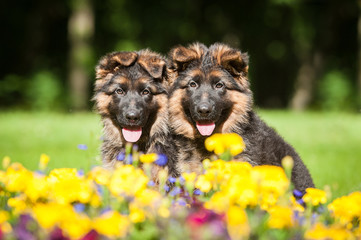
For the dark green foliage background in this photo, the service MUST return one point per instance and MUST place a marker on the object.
(278, 35)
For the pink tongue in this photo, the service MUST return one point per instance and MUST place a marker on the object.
(132, 135)
(205, 129)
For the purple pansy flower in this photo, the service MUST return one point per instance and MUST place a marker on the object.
(172, 179)
(83, 147)
(161, 160)
(120, 156)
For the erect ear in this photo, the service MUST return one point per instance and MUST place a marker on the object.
(235, 62)
(154, 65)
(180, 57)
(111, 62)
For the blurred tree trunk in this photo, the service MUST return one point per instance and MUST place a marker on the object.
(359, 54)
(80, 33)
(305, 81)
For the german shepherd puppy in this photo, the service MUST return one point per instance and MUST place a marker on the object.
(131, 97)
(210, 93)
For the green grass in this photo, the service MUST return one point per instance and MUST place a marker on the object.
(329, 144)
(25, 136)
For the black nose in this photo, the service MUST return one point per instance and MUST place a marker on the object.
(132, 116)
(204, 109)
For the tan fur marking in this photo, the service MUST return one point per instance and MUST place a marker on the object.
(196, 72)
(241, 104)
(183, 54)
(216, 74)
(153, 88)
(152, 64)
(198, 49)
(142, 81)
(224, 55)
(190, 165)
(161, 123)
(122, 58)
(121, 80)
(101, 73)
(204, 96)
(177, 118)
(220, 53)
(102, 102)
(171, 76)
(244, 81)
(101, 81)
(125, 58)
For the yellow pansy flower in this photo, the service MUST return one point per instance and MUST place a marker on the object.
(76, 226)
(67, 186)
(17, 204)
(100, 175)
(336, 232)
(295, 205)
(280, 217)
(136, 214)
(346, 208)
(237, 223)
(4, 216)
(37, 187)
(219, 143)
(189, 177)
(6, 162)
(270, 179)
(319, 231)
(111, 224)
(315, 196)
(148, 197)
(203, 184)
(148, 158)
(163, 212)
(219, 202)
(128, 180)
(51, 214)
(6, 228)
(17, 177)
(44, 160)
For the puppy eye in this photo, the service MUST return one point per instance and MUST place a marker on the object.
(119, 91)
(219, 85)
(145, 92)
(193, 84)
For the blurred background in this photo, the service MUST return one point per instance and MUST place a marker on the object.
(304, 56)
(303, 53)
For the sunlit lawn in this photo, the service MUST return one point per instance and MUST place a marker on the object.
(24, 136)
(329, 144)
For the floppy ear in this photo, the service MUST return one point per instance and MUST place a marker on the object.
(180, 57)
(111, 62)
(235, 62)
(153, 65)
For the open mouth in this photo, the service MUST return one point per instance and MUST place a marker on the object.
(205, 128)
(132, 134)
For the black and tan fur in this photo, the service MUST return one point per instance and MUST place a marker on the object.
(131, 90)
(211, 85)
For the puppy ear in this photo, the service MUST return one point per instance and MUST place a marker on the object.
(154, 65)
(180, 57)
(235, 62)
(110, 63)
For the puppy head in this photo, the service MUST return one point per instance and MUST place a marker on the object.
(128, 90)
(210, 90)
